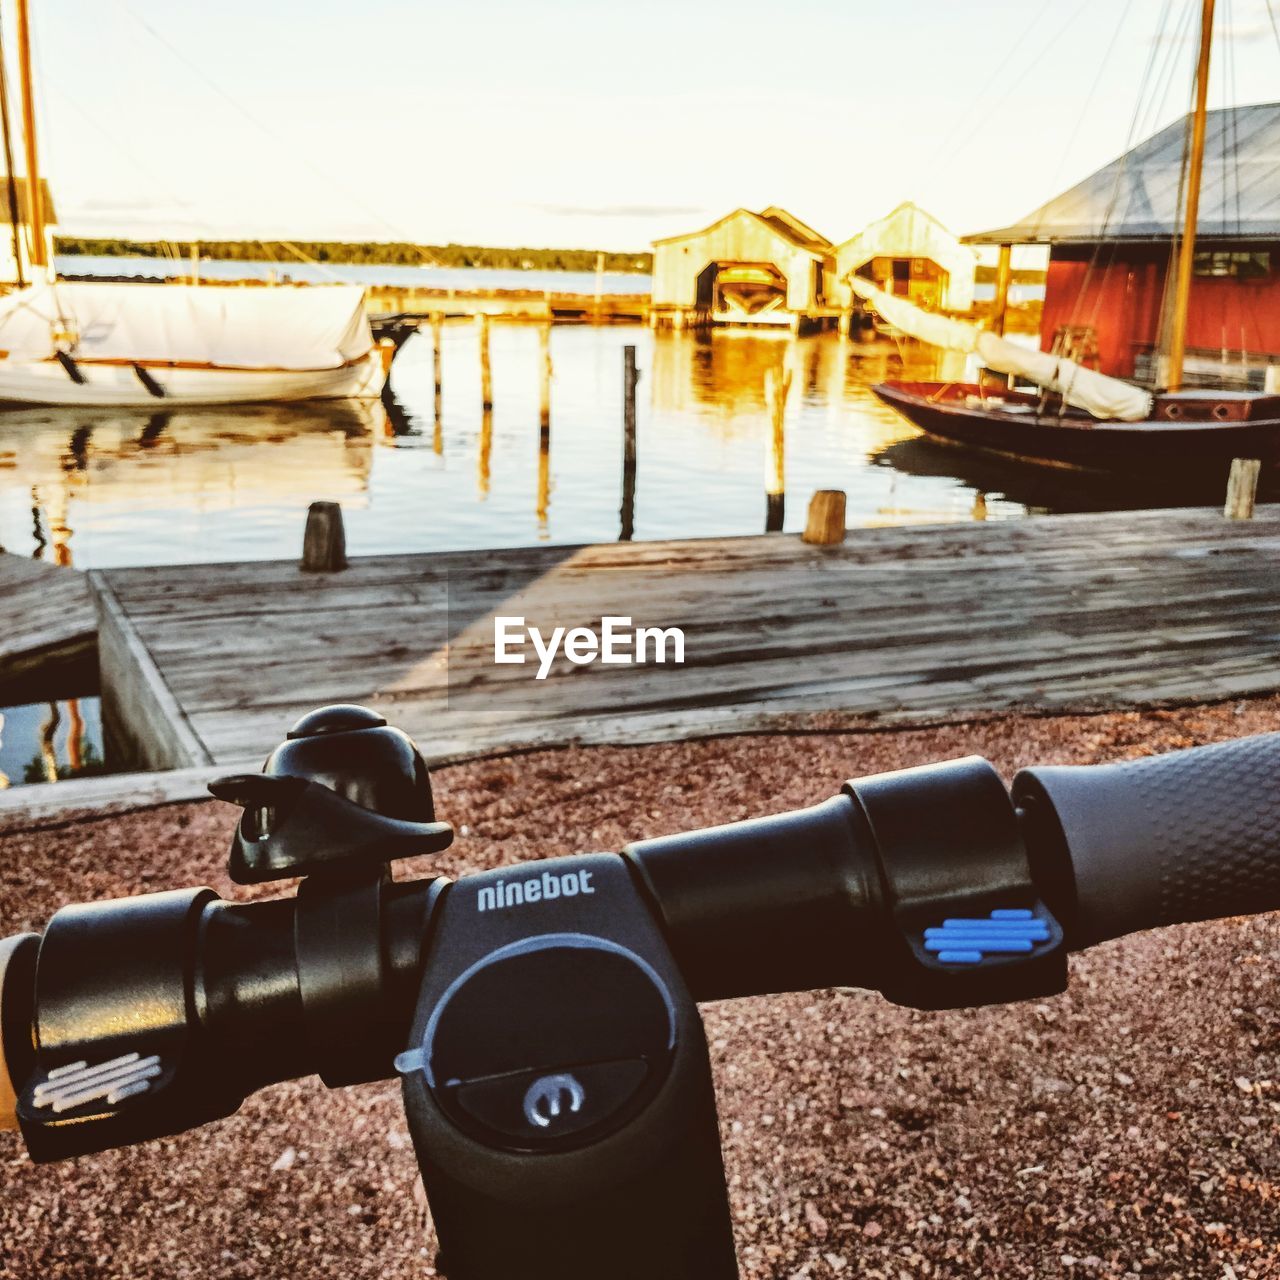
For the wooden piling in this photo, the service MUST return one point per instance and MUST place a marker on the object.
(630, 376)
(486, 370)
(1242, 488)
(544, 480)
(486, 451)
(777, 386)
(544, 376)
(825, 524)
(324, 545)
(437, 329)
(1004, 274)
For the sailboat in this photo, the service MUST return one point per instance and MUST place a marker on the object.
(150, 344)
(1080, 417)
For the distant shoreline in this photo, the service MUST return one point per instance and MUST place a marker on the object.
(350, 252)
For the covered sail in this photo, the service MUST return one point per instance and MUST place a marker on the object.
(292, 329)
(1104, 397)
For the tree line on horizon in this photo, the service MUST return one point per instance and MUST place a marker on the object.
(383, 253)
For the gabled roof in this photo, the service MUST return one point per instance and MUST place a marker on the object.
(792, 225)
(777, 220)
(1136, 196)
(910, 208)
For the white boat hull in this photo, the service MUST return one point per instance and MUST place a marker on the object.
(114, 385)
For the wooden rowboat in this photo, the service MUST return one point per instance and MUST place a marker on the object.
(1185, 431)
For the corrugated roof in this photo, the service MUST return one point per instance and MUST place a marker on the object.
(1136, 196)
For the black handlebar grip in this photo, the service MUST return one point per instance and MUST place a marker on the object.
(1193, 835)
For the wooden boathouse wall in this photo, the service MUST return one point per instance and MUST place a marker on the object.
(1117, 290)
(909, 236)
(686, 268)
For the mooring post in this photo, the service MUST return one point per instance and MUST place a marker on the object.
(437, 331)
(544, 376)
(777, 386)
(1242, 488)
(630, 376)
(324, 545)
(1271, 380)
(825, 524)
(544, 479)
(1004, 275)
(486, 371)
(387, 354)
(486, 452)
(437, 363)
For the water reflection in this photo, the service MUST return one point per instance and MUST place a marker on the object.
(125, 486)
(50, 741)
(428, 469)
(1043, 489)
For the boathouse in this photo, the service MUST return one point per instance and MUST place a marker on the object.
(9, 273)
(1111, 241)
(911, 254)
(765, 268)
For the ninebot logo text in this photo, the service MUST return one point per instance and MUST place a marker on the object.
(519, 893)
(546, 1097)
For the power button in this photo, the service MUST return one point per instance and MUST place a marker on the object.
(548, 1043)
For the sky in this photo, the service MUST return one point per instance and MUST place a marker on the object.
(579, 123)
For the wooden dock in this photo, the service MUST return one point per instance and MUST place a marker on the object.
(211, 664)
(48, 631)
(539, 306)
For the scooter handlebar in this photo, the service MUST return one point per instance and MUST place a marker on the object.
(1192, 835)
(935, 886)
(17, 970)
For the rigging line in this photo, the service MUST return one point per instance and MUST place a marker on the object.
(143, 170)
(1149, 89)
(264, 129)
(1149, 85)
(1093, 88)
(1106, 253)
(1275, 26)
(10, 181)
(960, 125)
(1032, 65)
(1168, 291)
(306, 258)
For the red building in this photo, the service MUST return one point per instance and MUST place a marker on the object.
(1112, 241)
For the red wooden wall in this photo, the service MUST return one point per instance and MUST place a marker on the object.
(1120, 296)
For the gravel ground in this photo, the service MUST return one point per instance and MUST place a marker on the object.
(1126, 1128)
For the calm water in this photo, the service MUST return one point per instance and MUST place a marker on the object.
(109, 487)
(45, 741)
(423, 277)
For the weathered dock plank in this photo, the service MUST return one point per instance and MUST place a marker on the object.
(213, 662)
(48, 630)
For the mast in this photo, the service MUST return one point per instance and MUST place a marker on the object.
(35, 195)
(11, 182)
(1187, 249)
